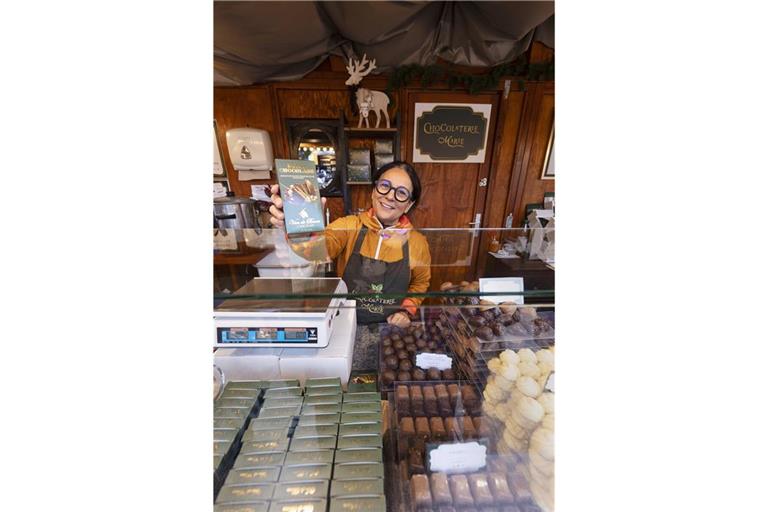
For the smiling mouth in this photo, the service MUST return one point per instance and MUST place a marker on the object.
(386, 206)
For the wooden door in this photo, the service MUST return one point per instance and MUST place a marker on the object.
(452, 197)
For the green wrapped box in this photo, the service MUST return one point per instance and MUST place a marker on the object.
(359, 441)
(221, 448)
(308, 410)
(265, 435)
(301, 490)
(369, 504)
(245, 493)
(360, 428)
(360, 417)
(361, 407)
(253, 476)
(316, 430)
(217, 461)
(307, 505)
(242, 403)
(259, 460)
(278, 445)
(230, 412)
(304, 473)
(310, 458)
(319, 419)
(244, 384)
(280, 412)
(250, 394)
(286, 401)
(309, 444)
(258, 506)
(322, 399)
(325, 390)
(224, 435)
(228, 423)
(282, 392)
(289, 383)
(358, 470)
(361, 387)
(362, 397)
(357, 487)
(323, 382)
(280, 423)
(359, 455)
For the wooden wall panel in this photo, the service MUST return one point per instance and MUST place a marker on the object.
(239, 107)
(312, 104)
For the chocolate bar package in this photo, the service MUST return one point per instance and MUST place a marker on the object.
(357, 487)
(358, 470)
(305, 505)
(256, 506)
(245, 493)
(367, 504)
(304, 473)
(253, 476)
(300, 490)
(301, 196)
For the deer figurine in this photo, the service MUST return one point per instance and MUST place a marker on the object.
(367, 100)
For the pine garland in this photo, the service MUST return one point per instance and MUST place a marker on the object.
(428, 75)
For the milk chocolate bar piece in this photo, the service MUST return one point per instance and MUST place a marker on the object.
(315, 489)
(403, 400)
(520, 489)
(469, 396)
(430, 401)
(469, 428)
(309, 458)
(443, 401)
(482, 426)
(422, 428)
(358, 470)
(420, 493)
(305, 473)
(417, 401)
(454, 395)
(256, 506)
(437, 427)
(305, 505)
(367, 504)
(478, 484)
(245, 493)
(406, 434)
(499, 488)
(416, 461)
(360, 428)
(253, 476)
(441, 491)
(462, 496)
(357, 487)
(453, 428)
(315, 430)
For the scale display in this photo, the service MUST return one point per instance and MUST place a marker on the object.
(257, 335)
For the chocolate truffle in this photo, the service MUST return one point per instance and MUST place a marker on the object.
(403, 376)
(441, 491)
(411, 349)
(392, 362)
(406, 364)
(402, 354)
(462, 496)
(419, 374)
(396, 337)
(409, 339)
(497, 329)
(388, 376)
(505, 319)
(398, 345)
(484, 333)
(478, 321)
(420, 491)
(448, 374)
(421, 344)
(388, 351)
(432, 345)
(433, 374)
(386, 342)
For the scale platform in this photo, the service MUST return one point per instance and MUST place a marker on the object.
(299, 312)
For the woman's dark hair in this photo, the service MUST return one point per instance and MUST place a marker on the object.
(408, 168)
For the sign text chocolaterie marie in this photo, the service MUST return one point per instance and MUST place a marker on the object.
(451, 132)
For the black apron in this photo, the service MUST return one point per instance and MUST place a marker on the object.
(368, 275)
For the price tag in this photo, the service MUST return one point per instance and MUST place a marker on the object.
(458, 457)
(425, 361)
(219, 190)
(550, 384)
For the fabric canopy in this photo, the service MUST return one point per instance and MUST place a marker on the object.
(256, 42)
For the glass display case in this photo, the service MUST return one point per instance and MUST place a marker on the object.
(449, 408)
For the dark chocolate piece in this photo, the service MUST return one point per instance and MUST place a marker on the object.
(421, 344)
(482, 426)
(419, 374)
(411, 349)
(441, 491)
(448, 374)
(415, 461)
(406, 365)
(437, 427)
(403, 376)
(453, 428)
(420, 493)
(388, 376)
(433, 374)
(443, 402)
(398, 344)
(454, 394)
(403, 400)
(462, 496)
(469, 428)
(417, 401)
(392, 362)
(484, 333)
(422, 428)
(478, 321)
(388, 351)
(478, 483)
(497, 329)
(430, 401)
(402, 354)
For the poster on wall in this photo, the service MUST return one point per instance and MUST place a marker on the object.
(451, 132)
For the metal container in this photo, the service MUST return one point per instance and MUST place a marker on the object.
(237, 213)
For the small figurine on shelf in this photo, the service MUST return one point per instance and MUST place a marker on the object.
(367, 100)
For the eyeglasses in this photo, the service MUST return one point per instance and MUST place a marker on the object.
(402, 194)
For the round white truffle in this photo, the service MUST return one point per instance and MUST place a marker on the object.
(527, 355)
(510, 372)
(546, 356)
(529, 409)
(503, 383)
(509, 357)
(528, 387)
(494, 365)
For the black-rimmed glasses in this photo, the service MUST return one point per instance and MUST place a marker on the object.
(402, 194)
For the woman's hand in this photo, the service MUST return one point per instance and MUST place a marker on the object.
(399, 319)
(276, 215)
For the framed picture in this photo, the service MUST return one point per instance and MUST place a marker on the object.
(548, 170)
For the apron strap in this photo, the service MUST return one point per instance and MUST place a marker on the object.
(360, 238)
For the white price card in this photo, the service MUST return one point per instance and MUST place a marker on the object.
(550, 384)
(219, 190)
(457, 457)
(425, 361)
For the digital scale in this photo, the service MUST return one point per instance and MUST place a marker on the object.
(300, 313)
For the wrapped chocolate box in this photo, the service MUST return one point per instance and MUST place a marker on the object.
(359, 428)
(305, 505)
(253, 476)
(245, 384)
(230, 412)
(362, 397)
(323, 390)
(366, 504)
(243, 403)
(288, 383)
(278, 445)
(224, 435)
(359, 441)
(300, 490)
(258, 460)
(316, 430)
(323, 382)
(319, 419)
(358, 470)
(361, 407)
(282, 392)
(265, 435)
(278, 402)
(304, 473)
(280, 412)
(279, 423)
(309, 409)
(259, 506)
(357, 487)
(360, 417)
(228, 423)
(359, 455)
(322, 399)
(308, 444)
(309, 458)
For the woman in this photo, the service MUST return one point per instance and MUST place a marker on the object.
(378, 251)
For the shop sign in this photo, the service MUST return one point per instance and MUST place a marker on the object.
(451, 132)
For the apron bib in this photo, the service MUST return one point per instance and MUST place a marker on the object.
(368, 275)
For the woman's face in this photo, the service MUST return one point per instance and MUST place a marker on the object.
(385, 206)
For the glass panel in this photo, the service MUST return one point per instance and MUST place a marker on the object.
(316, 146)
